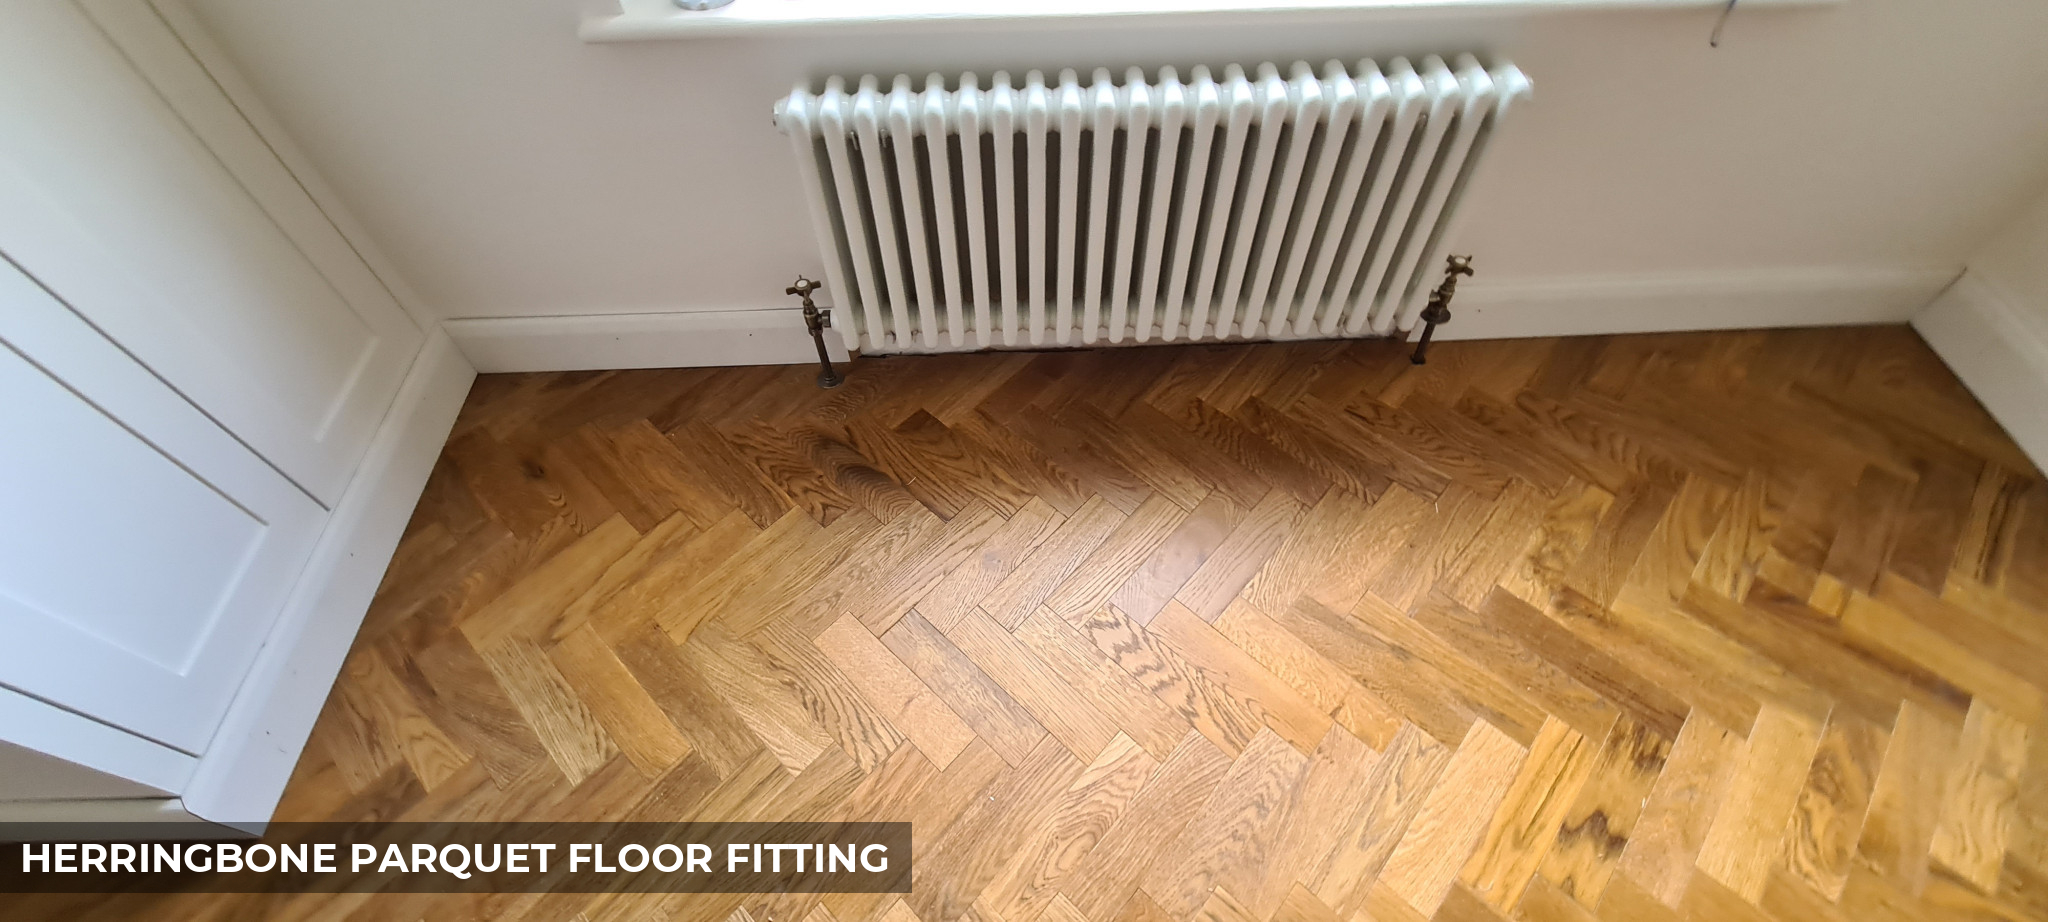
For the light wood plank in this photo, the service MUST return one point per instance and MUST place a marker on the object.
(1979, 802)
(1749, 828)
(1452, 821)
(894, 690)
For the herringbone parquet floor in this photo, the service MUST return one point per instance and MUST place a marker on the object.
(1717, 626)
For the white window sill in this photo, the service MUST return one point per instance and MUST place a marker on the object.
(638, 20)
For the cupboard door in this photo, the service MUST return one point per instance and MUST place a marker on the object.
(110, 199)
(49, 753)
(144, 552)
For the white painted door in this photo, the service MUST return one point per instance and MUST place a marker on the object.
(257, 312)
(144, 552)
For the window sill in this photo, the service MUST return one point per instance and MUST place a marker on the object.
(641, 20)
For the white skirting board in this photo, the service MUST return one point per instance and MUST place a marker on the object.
(243, 772)
(664, 340)
(1977, 328)
(1668, 302)
(1578, 306)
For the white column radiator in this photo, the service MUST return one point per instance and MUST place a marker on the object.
(1063, 214)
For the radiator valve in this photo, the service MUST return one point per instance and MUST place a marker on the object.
(816, 321)
(1439, 308)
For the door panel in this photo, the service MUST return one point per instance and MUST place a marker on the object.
(145, 552)
(173, 545)
(53, 754)
(108, 198)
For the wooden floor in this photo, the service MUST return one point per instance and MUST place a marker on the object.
(1717, 626)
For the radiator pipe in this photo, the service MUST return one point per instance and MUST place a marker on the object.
(1439, 309)
(816, 321)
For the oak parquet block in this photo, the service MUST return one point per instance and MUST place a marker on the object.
(963, 589)
(361, 749)
(1601, 821)
(1392, 794)
(535, 605)
(1079, 456)
(943, 472)
(1047, 566)
(707, 722)
(458, 692)
(572, 736)
(972, 852)
(892, 689)
(1222, 663)
(1023, 461)
(1098, 577)
(1493, 698)
(1313, 675)
(1227, 718)
(1996, 635)
(1524, 830)
(1683, 802)
(891, 595)
(829, 698)
(1322, 555)
(1228, 842)
(636, 723)
(1702, 626)
(1063, 710)
(1888, 633)
(1905, 802)
(995, 717)
(1929, 531)
(766, 698)
(1116, 444)
(1107, 877)
(1813, 646)
(1544, 901)
(1420, 693)
(855, 581)
(1076, 662)
(1617, 542)
(1482, 638)
(1312, 821)
(1302, 906)
(1153, 434)
(665, 577)
(1242, 443)
(1729, 560)
(711, 461)
(1863, 535)
(1427, 549)
(1979, 802)
(1748, 829)
(1309, 447)
(1820, 844)
(1453, 819)
(1085, 812)
(1225, 572)
(1561, 536)
(1176, 560)
(774, 569)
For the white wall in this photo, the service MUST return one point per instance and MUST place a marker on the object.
(513, 170)
(2015, 260)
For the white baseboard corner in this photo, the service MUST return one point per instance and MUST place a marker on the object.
(139, 814)
(1977, 328)
(243, 772)
(1663, 303)
(666, 340)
